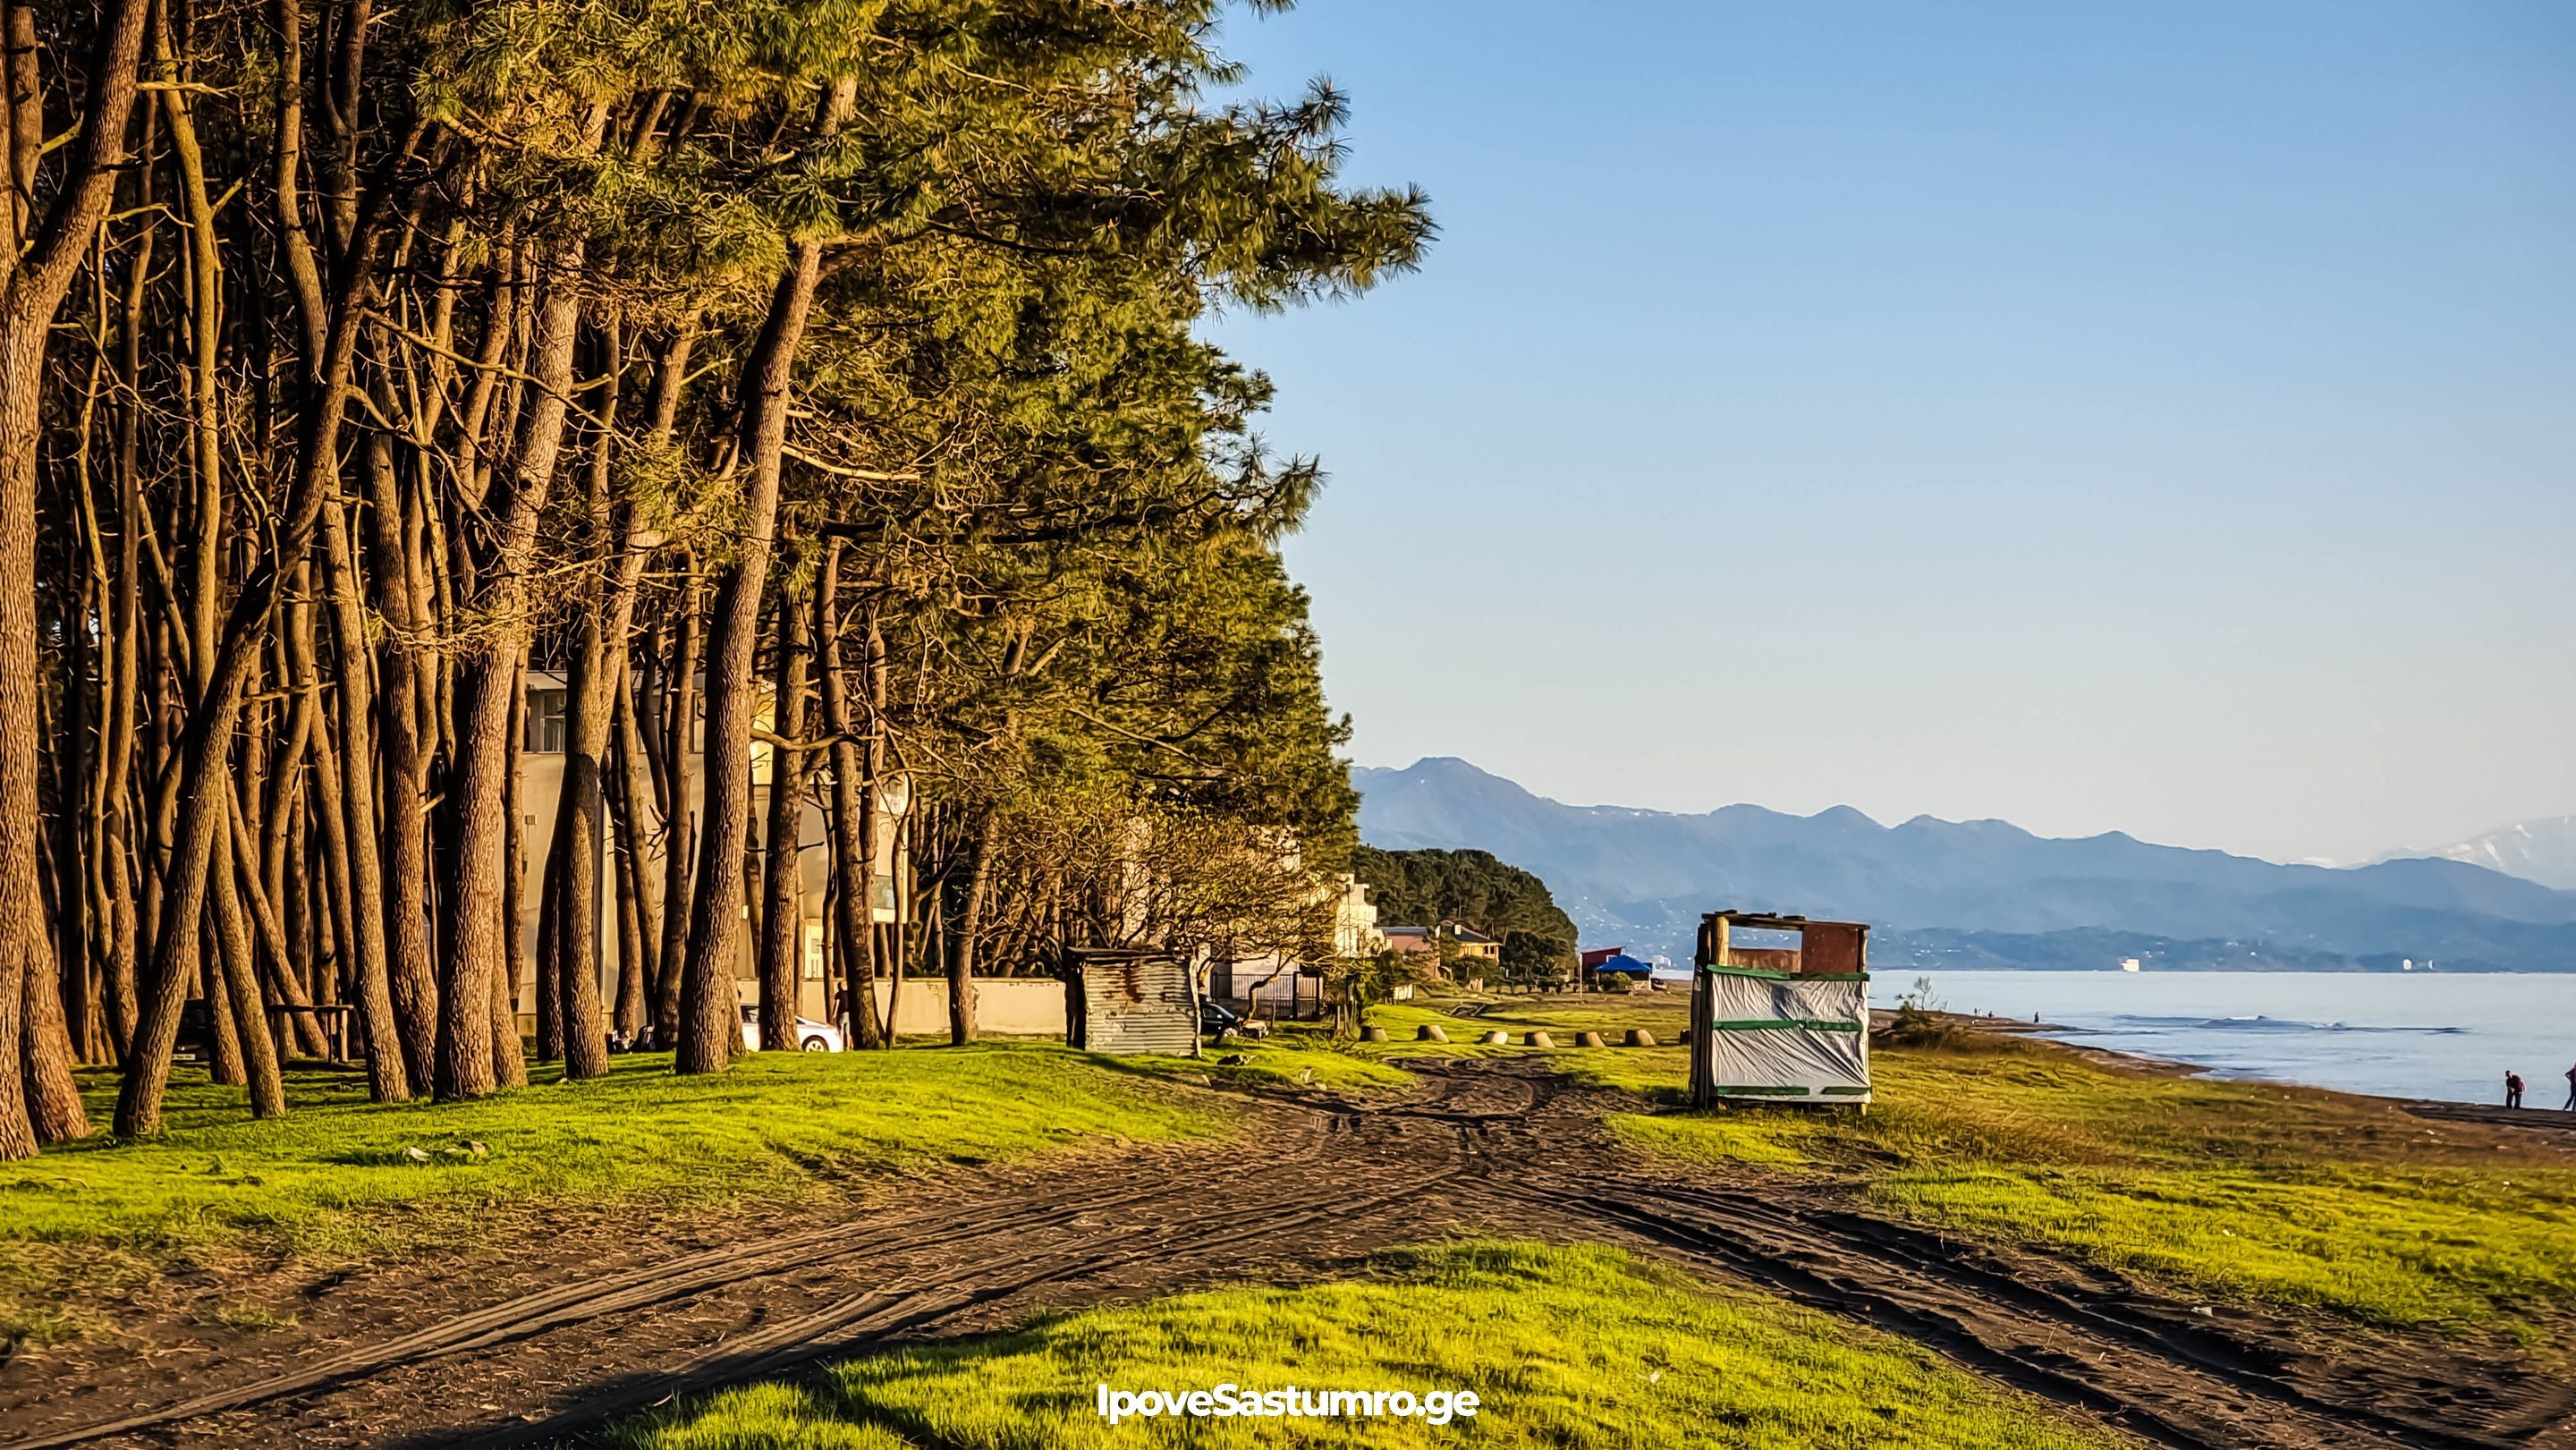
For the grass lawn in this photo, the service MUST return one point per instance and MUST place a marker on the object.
(1294, 1055)
(2230, 1189)
(336, 1180)
(1650, 1071)
(1562, 1347)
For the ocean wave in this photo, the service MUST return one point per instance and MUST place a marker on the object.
(2127, 1021)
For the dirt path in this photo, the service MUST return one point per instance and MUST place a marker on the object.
(1497, 1146)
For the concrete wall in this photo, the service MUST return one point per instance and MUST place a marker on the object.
(1004, 1007)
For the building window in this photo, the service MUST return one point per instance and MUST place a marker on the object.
(546, 721)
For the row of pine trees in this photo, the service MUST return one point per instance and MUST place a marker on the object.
(827, 376)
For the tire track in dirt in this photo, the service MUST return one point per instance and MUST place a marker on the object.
(2160, 1397)
(848, 1242)
(875, 1318)
(995, 1244)
(872, 1318)
(2419, 1412)
(643, 1287)
(1480, 1144)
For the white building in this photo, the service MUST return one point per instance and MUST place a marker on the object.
(1271, 986)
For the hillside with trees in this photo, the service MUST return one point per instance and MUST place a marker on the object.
(826, 377)
(1474, 889)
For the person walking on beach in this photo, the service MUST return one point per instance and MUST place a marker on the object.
(2571, 1089)
(2513, 1090)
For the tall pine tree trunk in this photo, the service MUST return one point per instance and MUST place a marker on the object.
(682, 761)
(240, 974)
(467, 1046)
(509, 1056)
(969, 928)
(639, 886)
(782, 908)
(403, 900)
(853, 820)
(708, 1020)
(590, 702)
(42, 251)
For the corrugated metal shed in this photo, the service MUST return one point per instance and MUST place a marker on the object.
(1135, 1001)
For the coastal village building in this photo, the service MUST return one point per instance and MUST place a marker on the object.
(1468, 951)
(1272, 986)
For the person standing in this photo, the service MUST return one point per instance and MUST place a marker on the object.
(2513, 1090)
(2571, 1089)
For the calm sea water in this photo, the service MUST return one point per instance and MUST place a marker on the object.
(2412, 1035)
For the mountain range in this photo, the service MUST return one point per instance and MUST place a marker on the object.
(1974, 893)
(2542, 851)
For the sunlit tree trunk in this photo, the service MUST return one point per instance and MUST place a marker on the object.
(853, 823)
(467, 1045)
(681, 762)
(782, 907)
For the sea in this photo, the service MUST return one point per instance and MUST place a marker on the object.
(2449, 1036)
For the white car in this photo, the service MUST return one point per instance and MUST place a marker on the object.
(811, 1036)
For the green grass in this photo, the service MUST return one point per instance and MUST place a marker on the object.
(1648, 1071)
(335, 1181)
(2233, 1190)
(1562, 1346)
(1293, 1055)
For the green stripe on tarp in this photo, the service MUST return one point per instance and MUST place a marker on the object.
(1765, 1092)
(1769, 975)
(1846, 1092)
(1773, 1024)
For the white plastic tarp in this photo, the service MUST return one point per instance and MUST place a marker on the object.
(1787, 1038)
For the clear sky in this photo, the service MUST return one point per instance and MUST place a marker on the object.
(2150, 417)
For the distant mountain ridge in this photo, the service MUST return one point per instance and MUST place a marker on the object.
(2543, 850)
(1971, 893)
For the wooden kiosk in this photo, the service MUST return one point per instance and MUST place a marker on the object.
(1780, 1024)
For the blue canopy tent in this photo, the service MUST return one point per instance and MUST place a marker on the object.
(1627, 969)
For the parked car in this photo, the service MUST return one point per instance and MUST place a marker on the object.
(811, 1036)
(1216, 1020)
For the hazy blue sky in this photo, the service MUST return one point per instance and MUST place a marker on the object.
(2154, 417)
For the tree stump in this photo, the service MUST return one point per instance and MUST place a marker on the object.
(1587, 1039)
(1372, 1033)
(1539, 1039)
(1430, 1032)
(1640, 1037)
(1496, 1039)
